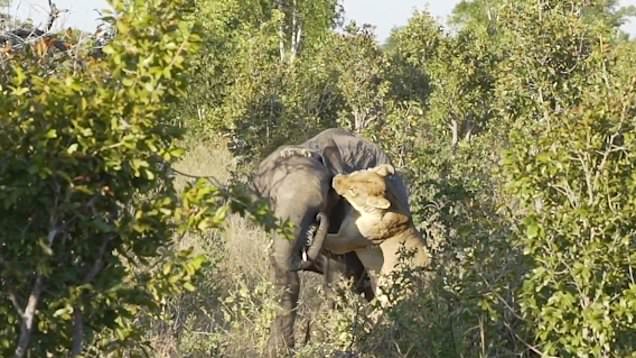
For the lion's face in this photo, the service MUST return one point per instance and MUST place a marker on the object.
(365, 189)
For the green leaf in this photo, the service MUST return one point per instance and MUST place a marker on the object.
(189, 287)
(72, 148)
(532, 230)
(51, 133)
(46, 249)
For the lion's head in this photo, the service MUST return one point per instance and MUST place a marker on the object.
(365, 190)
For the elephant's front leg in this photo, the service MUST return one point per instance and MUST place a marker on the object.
(287, 284)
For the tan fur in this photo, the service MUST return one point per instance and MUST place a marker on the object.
(378, 226)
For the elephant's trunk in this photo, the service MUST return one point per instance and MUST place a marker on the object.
(310, 244)
(321, 235)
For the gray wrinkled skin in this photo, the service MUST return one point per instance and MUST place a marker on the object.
(296, 181)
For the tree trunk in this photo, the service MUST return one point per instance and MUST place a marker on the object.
(281, 33)
(78, 332)
(469, 126)
(454, 127)
(292, 34)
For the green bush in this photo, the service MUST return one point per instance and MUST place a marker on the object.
(571, 165)
(87, 199)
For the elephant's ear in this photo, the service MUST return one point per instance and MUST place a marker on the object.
(331, 157)
(378, 202)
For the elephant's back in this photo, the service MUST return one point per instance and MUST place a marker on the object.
(277, 170)
(355, 151)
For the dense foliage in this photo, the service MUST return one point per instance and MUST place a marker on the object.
(574, 179)
(87, 200)
(515, 131)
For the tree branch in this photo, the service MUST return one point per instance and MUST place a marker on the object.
(26, 328)
(78, 321)
(54, 13)
(28, 316)
(99, 263)
(16, 305)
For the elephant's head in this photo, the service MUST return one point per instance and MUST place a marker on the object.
(297, 182)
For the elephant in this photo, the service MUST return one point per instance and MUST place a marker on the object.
(296, 182)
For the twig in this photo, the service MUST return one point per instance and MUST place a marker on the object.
(501, 299)
(525, 343)
(214, 180)
(78, 322)
(566, 191)
(16, 305)
(588, 175)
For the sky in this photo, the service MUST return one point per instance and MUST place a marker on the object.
(383, 14)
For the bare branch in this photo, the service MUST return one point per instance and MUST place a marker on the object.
(19, 37)
(54, 14)
(525, 343)
(611, 148)
(78, 322)
(28, 318)
(16, 305)
(584, 159)
(566, 191)
(99, 263)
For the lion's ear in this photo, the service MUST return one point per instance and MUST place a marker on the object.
(378, 203)
(385, 170)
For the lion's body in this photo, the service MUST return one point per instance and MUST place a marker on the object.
(379, 225)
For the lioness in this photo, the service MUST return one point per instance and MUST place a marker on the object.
(379, 225)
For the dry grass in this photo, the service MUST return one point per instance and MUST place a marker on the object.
(219, 318)
(244, 241)
(245, 244)
(205, 159)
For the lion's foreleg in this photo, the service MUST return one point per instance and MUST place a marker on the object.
(347, 239)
